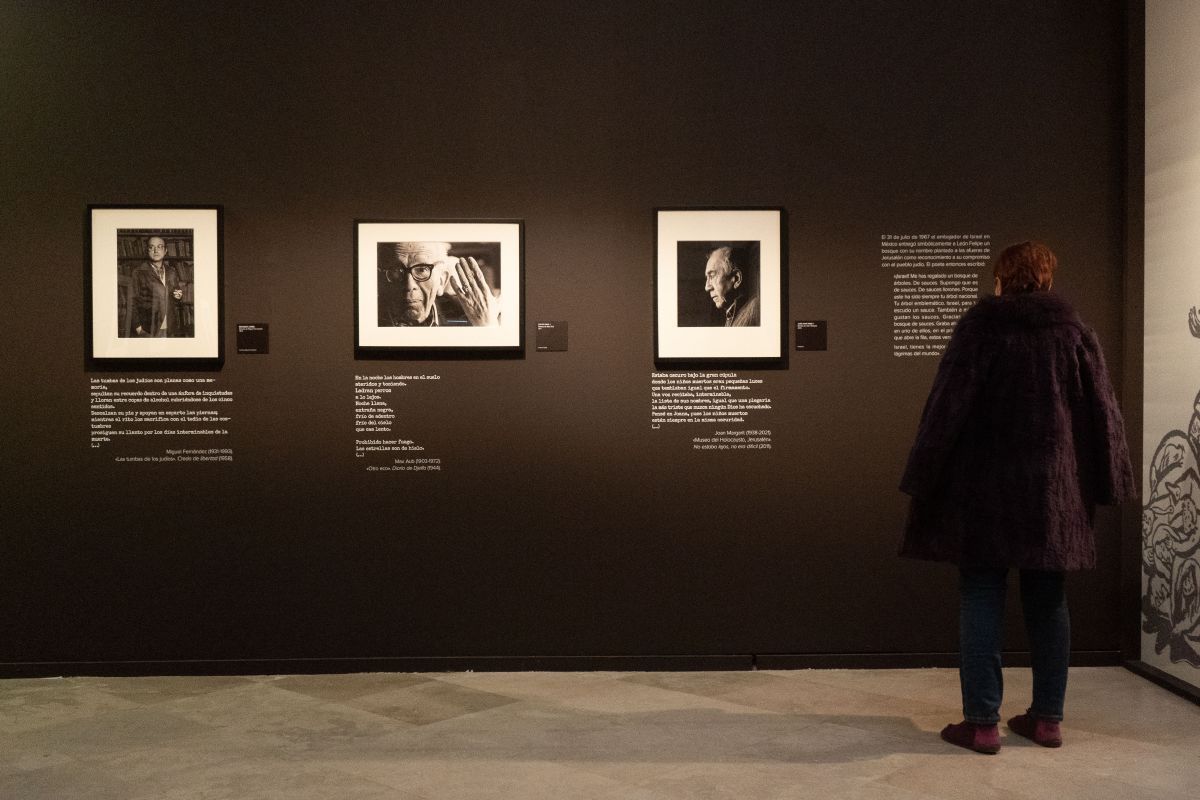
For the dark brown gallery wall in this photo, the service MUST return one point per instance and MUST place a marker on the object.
(561, 524)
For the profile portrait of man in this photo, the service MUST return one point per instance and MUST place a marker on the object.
(414, 275)
(729, 280)
(158, 294)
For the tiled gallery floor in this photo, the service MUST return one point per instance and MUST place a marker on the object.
(633, 736)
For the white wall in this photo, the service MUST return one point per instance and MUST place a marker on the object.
(1171, 438)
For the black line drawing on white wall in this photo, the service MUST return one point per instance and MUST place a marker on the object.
(1171, 540)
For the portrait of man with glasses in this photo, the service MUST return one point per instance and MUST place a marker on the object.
(435, 284)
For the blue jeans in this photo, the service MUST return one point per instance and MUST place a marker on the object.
(981, 633)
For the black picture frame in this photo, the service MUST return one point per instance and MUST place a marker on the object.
(395, 317)
(130, 323)
(742, 323)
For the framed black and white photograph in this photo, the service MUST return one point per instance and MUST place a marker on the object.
(719, 284)
(154, 285)
(433, 287)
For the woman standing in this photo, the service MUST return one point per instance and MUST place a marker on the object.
(1020, 439)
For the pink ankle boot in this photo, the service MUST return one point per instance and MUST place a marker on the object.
(980, 738)
(1041, 731)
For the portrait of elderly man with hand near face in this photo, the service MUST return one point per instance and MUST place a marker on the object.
(421, 284)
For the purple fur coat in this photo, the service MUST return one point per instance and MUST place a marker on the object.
(1020, 439)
